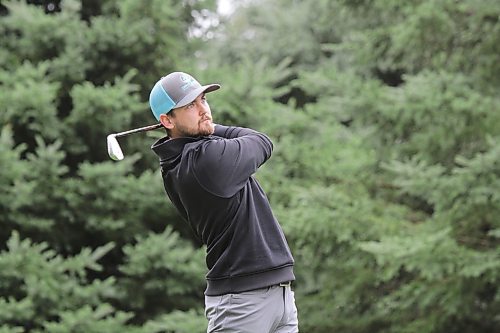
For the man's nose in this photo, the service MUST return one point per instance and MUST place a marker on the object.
(203, 108)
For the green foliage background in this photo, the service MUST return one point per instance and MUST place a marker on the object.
(385, 117)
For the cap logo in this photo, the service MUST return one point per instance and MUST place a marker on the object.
(188, 82)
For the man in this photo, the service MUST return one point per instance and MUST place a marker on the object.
(207, 171)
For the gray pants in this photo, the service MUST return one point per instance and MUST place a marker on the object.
(267, 310)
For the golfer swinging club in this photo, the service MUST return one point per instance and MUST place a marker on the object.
(207, 171)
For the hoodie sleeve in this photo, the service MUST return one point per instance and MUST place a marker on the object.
(223, 165)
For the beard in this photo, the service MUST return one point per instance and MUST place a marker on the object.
(204, 128)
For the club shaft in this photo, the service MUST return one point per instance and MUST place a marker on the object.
(140, 129)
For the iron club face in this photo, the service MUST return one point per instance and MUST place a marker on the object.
(114, 149)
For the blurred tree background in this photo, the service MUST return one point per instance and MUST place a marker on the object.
(385, 117)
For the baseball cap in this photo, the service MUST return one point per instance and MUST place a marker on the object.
(176, 90)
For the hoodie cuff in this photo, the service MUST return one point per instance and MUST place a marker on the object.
(220, 130)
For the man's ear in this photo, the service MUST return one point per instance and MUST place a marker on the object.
(166, 121)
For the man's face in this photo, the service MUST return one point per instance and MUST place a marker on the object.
(193, 120)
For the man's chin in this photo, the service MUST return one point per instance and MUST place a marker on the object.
(207, 130)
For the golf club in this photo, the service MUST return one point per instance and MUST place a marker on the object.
(114, 149)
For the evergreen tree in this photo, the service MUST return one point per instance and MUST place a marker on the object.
(75, 225)
(384, 129)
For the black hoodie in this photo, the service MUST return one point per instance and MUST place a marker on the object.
(210, 182)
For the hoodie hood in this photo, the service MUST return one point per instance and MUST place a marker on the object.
(170, 150)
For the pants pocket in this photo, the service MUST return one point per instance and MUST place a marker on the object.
(213, 305)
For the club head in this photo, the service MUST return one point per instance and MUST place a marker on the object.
(114, 149)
